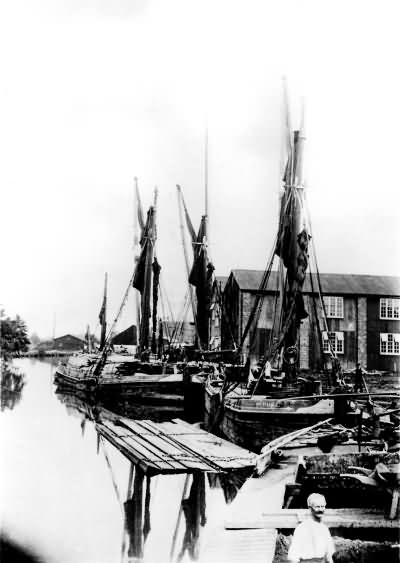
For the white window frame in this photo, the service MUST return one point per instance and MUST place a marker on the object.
(389, 308)
(333, 342)
(334, 306)
(389, 344)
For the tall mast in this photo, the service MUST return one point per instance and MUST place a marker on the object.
(155, 214)
(181, 203)
(142, 279)
(136, 252)
(103, 315)
(207, 233)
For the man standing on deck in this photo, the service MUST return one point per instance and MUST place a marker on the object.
(358, 378)
(312, 541)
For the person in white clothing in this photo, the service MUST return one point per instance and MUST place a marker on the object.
(312, 541)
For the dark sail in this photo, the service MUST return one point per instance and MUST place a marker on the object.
(102, 316)
(156, 281)
(292, 245)
(201, 278)
(142, 277)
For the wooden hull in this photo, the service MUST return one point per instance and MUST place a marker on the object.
(252, 423)
(119, 378)
(144, 391)
(69, 380)
(253, 430)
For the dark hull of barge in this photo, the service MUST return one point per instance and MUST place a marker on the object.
(120, 379)
(252, 428)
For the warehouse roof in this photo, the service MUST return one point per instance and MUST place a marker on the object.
(337, 284)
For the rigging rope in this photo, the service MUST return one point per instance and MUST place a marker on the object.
(107, 345)
(227, 319)
(180, 326)
(280, 282)
(258, 302)
(320, 292)
(181, 202)
(165, 298)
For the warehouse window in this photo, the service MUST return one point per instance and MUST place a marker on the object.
(390, 344)
(333, 342)
(334, 306)
(389, 308)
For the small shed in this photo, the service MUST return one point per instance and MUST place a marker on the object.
(66, 343)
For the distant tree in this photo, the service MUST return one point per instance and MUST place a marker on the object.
(13, 336)
(34, 338)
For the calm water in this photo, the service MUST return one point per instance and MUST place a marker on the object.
(64, 492)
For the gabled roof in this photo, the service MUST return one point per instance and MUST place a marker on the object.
(332, 284)
(126, 337)
(76, 338)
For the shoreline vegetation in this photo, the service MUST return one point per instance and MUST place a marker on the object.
(14, 339)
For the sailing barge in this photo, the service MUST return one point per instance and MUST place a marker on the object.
(268, 401)
(140, 377)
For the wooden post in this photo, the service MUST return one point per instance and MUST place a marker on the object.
(359, 437)
(134, 516)
(178, 521)
(395, 504)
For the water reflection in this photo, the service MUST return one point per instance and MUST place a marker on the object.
(77, 404)
(137, 513)
(11, 386)
(137, 518)
(194, 510)
(122, 406)
(230, 483)
(10, 552)
(72, 497)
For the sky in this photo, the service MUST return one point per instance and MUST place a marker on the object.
(94, 93)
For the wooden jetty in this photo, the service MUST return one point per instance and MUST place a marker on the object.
(289, 518)
(173, 447)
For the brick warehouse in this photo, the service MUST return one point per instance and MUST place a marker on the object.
(363, 321)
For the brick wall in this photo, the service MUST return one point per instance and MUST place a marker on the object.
(376, 326)
(246, 304)
(362, 349)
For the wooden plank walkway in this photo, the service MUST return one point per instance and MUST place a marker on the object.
(233, 542)
(173, 447)
(240, 546)
(333, 518)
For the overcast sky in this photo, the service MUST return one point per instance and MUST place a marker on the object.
(94, 93)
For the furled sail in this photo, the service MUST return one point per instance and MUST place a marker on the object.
(156, 281)
(143, 276)
(292, 246)
(201, 278)
(102, 316)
